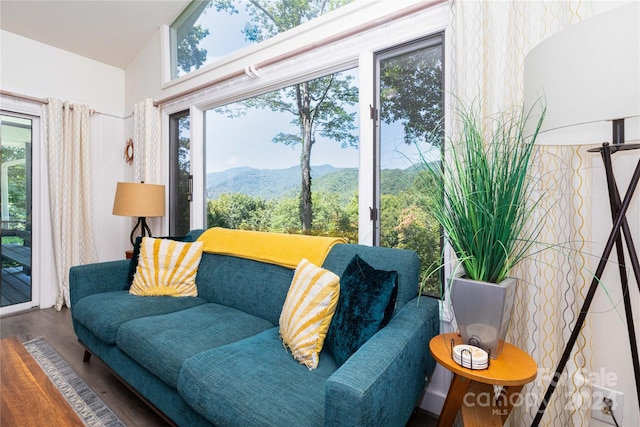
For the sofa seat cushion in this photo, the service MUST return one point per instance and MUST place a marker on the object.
(255, 382)
(103, 313)
(162, 343)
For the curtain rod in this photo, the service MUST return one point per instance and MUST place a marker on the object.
(25, 97)
(46, 101)
(309, 47)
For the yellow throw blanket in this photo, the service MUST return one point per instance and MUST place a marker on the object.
(274, 248)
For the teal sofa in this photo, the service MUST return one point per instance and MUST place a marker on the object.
(217, 359)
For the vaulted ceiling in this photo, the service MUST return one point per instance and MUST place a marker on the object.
(109, 31)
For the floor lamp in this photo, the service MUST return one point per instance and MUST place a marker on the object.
(139, 200)
(588, 76)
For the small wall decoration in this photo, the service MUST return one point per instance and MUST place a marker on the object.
(128, 152)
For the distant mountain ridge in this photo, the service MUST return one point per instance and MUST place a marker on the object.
(269, 184)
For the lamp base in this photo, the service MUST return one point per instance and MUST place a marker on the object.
(144, 229)
(620, 229)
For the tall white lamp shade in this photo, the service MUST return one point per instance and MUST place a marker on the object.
(587, 76)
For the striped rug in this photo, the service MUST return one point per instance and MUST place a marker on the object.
(89, 407)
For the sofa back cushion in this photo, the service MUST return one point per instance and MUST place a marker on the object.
(405, 262)
(251, 286)
(260, 288)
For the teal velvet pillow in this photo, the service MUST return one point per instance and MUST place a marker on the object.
(366, 304)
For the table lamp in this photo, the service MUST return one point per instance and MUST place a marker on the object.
(588, 77)
(139, 200)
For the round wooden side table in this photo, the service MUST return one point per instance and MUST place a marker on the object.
(471, 391)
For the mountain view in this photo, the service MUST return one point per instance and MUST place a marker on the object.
(270, 184)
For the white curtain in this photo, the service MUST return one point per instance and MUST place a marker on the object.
(67, 148)
(147, 158)
(489, 43)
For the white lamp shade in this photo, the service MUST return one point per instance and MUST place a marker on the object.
(587, 76)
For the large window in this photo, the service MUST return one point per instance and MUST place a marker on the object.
(410, 131)
(212, 29)
(286, 161)
(325, 138)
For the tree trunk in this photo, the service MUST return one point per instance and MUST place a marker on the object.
(306, 124)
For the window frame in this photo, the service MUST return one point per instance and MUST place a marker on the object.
(174, 142)
(225, 87)
(185, 21)
(425, 42)
(338, 24)
(41, 252)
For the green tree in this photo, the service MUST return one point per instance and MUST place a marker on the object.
(189, 55)
(417, 231)
(239, 211)
(183, 221)
(318, 106)
(411, 86)
(285, 218)
(16, 182)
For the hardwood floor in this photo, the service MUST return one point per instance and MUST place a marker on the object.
(57, 329)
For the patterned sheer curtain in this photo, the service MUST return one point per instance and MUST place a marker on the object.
(67, 146)
(490, 40)
(147, 159)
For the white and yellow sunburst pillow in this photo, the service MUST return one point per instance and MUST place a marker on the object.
(307, 311)
(167, 267)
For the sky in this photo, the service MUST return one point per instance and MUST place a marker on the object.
(247, 141)
(226, 27)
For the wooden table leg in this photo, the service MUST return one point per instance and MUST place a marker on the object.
(453, 402)
(508, 397)
(482, 408)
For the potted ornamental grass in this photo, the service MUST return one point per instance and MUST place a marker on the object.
(483, 197)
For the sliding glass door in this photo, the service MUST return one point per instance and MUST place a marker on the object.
(17, 135)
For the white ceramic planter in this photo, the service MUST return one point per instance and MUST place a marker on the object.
(483, 311)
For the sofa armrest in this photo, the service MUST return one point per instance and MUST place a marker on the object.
(89, 279)
(382, 382)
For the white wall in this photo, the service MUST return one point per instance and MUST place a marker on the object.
(36, 69)
(111, 233)
(42, 70)
(144, 73)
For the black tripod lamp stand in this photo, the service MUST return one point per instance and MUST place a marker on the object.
(589, 78)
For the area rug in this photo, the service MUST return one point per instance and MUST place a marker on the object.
(89, 407)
